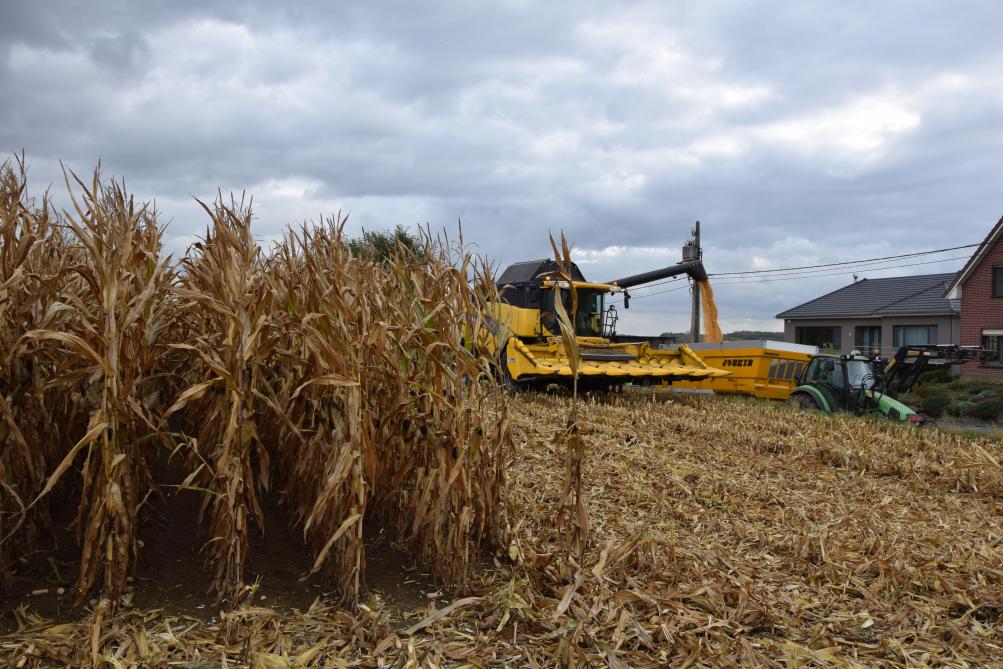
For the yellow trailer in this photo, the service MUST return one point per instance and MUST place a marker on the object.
(762, 368)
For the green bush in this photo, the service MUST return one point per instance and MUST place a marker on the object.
(988, 410)
(965, 408)
(985, 394)
(934, 377)
(934, 405)
(957, 384)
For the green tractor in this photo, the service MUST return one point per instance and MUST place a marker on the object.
(862, 385)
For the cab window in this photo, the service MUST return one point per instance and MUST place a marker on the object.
(588, 318)
(861, 373)
(826, 371)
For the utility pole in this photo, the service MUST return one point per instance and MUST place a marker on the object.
(694, 288)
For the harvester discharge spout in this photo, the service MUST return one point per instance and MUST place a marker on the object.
(694, 268)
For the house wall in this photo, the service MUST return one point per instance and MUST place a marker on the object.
(948, 328)
(981, 311)
(848, 328)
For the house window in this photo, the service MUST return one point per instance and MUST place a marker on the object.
(994, 343)
(915, 335)
(823, 337)
(866, 338)
(997, 281)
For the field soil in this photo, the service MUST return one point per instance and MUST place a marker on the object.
(172, 577)
(721, 533)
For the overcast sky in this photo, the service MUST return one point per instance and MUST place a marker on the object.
(796, 132)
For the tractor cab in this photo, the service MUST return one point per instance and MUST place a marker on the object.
(841, 380)
(856, 383)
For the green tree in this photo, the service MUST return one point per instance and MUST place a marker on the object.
(379, 245)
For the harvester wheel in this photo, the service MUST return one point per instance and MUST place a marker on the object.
(803, 401)
(504, 375)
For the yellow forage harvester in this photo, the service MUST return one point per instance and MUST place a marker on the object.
(523, 333)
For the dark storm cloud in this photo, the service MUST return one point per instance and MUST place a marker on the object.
(798, 133)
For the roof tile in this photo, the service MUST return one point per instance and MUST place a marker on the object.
(899, 295)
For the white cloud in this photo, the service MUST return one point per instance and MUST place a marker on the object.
(623, 253)
(654, 58)
(860, 130)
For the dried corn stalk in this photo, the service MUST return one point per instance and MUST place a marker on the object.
(342, 384)
(32, 255)
(319, 446)
(226, 309)
(102, 351)
(572, 516)
(432, 462)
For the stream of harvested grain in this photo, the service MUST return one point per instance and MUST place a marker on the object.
(712, 331)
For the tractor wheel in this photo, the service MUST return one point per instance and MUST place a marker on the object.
(803, 401)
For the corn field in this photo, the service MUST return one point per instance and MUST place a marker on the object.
(723, 533)
(649, 530)
(340, 385)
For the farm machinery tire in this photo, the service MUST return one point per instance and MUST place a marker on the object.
(803, 401)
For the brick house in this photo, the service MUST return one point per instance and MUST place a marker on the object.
(979, 287)
(877, 315)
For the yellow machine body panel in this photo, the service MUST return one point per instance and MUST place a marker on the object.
(764, 369)
(522, 333)
(514, 321)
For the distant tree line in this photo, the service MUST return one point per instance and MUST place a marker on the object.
(738, 335)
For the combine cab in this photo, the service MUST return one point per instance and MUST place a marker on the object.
(526, 339)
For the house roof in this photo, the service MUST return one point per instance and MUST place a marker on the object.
(893, 296)
(974, 261)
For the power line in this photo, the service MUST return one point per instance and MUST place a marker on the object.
(826, 271)
(660, 283)
(669, 290)
(872, 265)
(810, 275)
(738, 281)
(811, 271)
(821, 272)
(818, 270)
(848, 262)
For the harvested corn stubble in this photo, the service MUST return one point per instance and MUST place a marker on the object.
(724, 533)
